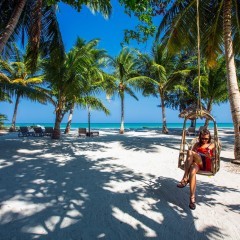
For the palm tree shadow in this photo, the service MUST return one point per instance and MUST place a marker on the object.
(66, 193)
(178, 218)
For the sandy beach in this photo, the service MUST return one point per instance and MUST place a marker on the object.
(112, 187)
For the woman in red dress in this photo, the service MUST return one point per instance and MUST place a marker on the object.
(199, 158)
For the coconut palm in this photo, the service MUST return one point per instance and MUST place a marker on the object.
(123, 79)
(186, 94)
(162, 75)
(38, 20)
(20, 82)
(89, 85)
(65, 76)
(219, 26)
(213, 85)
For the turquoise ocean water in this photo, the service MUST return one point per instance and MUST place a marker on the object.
(126, 125)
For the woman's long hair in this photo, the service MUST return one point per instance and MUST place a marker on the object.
(202, 133)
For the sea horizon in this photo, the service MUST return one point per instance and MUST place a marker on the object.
(126, 125)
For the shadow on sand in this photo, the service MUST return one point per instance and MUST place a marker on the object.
(61, 193)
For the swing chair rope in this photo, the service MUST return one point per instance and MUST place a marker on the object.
(215, 164)
(199, 59)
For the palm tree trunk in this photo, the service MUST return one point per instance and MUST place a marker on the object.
(7, 32)
(209, 109)
(13, 127)
(122, 114)
(57, 131)
(68, 127)
(233, 90)
(89, 123)
(35, 33)
(164, 120)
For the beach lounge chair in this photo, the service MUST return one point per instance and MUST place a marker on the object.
(94, 134)
(191, 131)
(48, 131)
(201, 128)
(38, 132)
(25, 132)
(82, 132)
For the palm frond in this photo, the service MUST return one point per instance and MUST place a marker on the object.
(103, 6)
(93, 103)
(4, 78)
(129, 91)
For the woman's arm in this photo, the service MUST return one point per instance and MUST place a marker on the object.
(195, 147)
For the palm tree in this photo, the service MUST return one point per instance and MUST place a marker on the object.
(8, 26)
(24, 83)
(90, 83)
(213, 85)
(185, 94)
(70, 116)
(65, 76)
(162, 74)
(219, 26)
(123, 79)
(38, 19)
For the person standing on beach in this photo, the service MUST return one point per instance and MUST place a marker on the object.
(199, 158)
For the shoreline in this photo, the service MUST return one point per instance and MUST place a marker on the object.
(99, 127)
(127, 125)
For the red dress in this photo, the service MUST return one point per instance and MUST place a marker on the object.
(206, 161)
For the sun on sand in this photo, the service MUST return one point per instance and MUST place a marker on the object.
(112, 187)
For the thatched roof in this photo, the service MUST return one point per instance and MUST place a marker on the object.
(192, 112)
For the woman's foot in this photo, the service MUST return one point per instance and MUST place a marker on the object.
(192, 204)
(183, 183)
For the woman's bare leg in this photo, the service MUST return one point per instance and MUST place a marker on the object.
(191, 158)
(192, 182)
(188, 163)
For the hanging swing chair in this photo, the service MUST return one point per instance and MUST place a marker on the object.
(193, 114)
(187, 144)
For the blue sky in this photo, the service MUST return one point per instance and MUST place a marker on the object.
(110, 32)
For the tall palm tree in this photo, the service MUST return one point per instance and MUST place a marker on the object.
(9, 19)
(213, 85)
(64, 77)
(185, 95)
(90, 84)
(123, 79)
(38, 20)
(219, 26)
(162, 74)
(24, 83)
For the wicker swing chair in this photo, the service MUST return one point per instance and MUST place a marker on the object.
(193, 114)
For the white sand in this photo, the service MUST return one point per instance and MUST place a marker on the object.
(112, 187)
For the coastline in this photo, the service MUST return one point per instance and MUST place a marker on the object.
(112, 187)
(128, 126)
